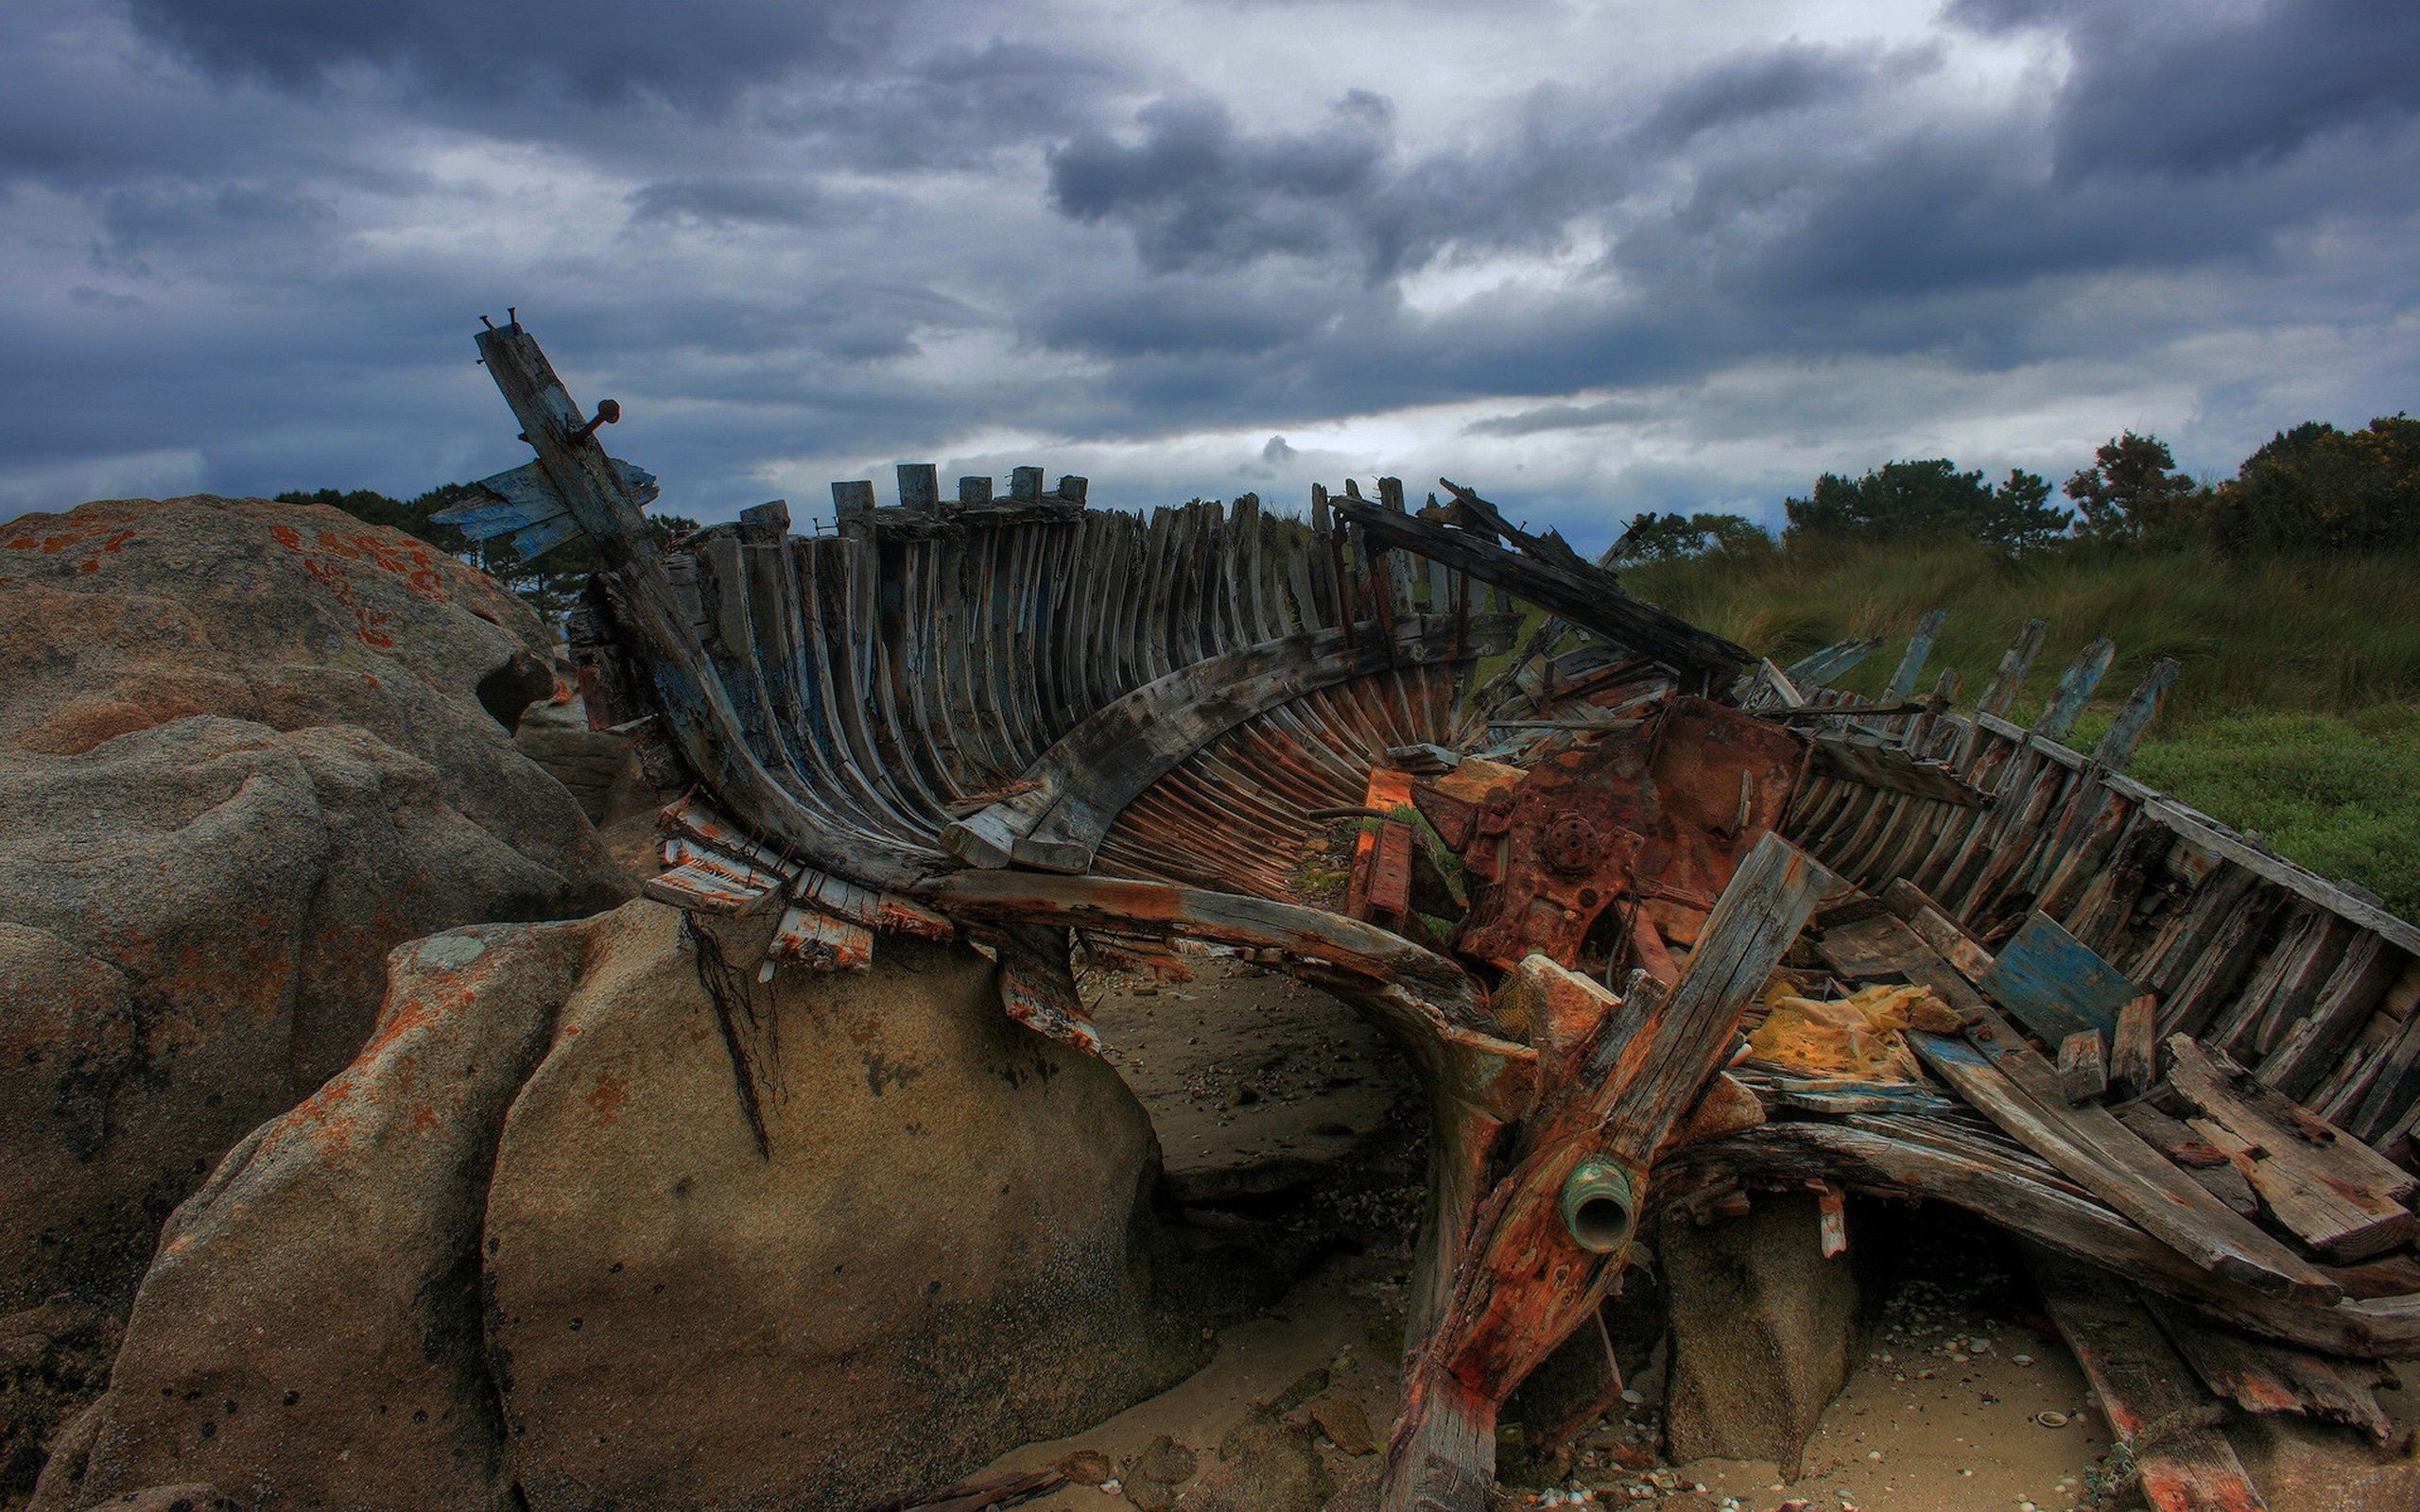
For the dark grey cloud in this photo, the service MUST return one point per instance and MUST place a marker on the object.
(1194, 190)
(242, 244)
(727, 202)
(1759, 85)
(596, 52)
(2201, 89)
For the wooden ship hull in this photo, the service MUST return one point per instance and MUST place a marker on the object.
(1567, 891)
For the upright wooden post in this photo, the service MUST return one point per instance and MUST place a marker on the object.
(1550, 1238)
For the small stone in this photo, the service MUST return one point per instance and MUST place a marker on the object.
(1149, 1496)
(1346, 1424)
(1087, 1467)
(1166, 1461)
(2022, 1359)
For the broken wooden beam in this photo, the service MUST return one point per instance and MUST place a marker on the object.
(1578, 593)
(2153, 1403)
(2004, 1078)
(2134, 1049)
(2331, 1191)
(2265, 1377)
(1553, 1235)
(2083, 1065)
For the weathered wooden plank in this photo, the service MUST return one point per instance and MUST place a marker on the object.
(2134, 1049)
(2312, 1043)
(1812, 672)
(1037, 985)
(2263, 1377)
(2075, 690)
(2224, 956)
(2337, 1195)
(2126, 732)
(1933, 924)
(1878, 765)
(2018, 1090)
(1911, 661)
(1576, 593)
(2195, 1156)
(2000, 693)
(2055, 985)
(2083, 1065)
(811, 937)
(2006, 1185)
(2394, 1085)
(2150, 1397)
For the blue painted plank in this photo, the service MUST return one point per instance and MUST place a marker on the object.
(525, 496)
(1912, 664)
(2054, 983)
(2117, 747)
(2074, 688)
(1812, 672)
(2014, 663)
(484, 520)
(544, 536)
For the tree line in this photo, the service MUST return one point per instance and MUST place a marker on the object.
(2311, 489)
(550, 581)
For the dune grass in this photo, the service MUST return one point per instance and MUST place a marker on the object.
(2294, 713)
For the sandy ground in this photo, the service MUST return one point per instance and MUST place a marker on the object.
(1959, 1398)
(1927, 1421)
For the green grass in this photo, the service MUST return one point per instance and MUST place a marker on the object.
(2293, 714)
(2339, 793)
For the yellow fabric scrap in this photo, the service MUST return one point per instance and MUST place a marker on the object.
(1856, 1036)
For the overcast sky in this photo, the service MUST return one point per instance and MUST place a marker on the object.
(1589, 258)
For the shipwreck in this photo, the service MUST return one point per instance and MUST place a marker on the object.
(1611, 902)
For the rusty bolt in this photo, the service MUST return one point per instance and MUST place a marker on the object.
(608, 413)
(1571, 843)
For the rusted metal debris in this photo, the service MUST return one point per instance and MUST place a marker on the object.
(1027, 722)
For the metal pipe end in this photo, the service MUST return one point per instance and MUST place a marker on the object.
(1598, 1205)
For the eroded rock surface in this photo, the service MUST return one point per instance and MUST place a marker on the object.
(1763, 1327)
(530, 1249)
(246, 748)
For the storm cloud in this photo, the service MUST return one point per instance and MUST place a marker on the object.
(1595, 258)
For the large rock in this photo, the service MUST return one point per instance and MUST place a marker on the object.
(598, 767)
(1763, 1327)
(246, 748)
(597, 1220)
